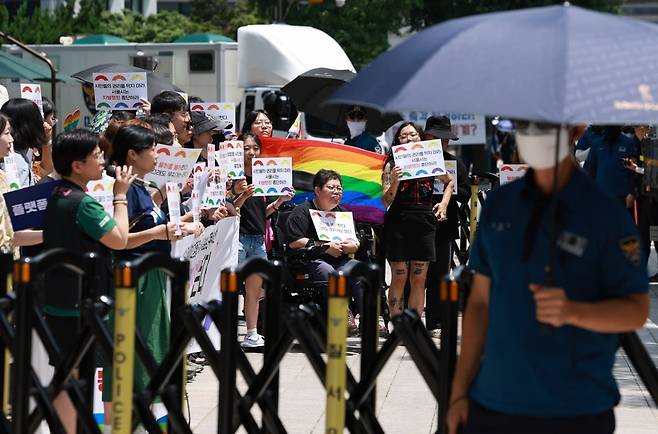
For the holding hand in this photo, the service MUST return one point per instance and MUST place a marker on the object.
(241, 186)
(396, 174)
(285, 197)
(219, 213)
(552, 305)
(146, 106)
(122, 179)
(440, 210)
(335, 249)
(349, 247)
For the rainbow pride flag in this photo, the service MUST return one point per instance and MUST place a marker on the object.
(360, 170)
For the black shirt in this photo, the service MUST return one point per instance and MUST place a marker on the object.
(300, 225)
(252, 215)
(448, 230)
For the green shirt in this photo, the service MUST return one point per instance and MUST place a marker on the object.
(76, 221)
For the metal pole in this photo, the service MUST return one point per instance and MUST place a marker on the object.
(449, 293)
(336, 351)
(229, 335)
(474, 208)
(370, 330)
(123, 360)
(20, 395)
(43, 58)
(273, 325)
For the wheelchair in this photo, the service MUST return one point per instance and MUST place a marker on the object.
(300, 288)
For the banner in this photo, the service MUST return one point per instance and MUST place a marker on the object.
(27, 206)
(333, 226)
(439, 186)
(174, 165)
(420, 159)
(224, 111)
(469, 127)
(511, 172)
(103, 191)
(271, 176)
(119, 90)
(232, 154)
(214, 250)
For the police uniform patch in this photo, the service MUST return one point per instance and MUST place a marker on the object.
(630, 248)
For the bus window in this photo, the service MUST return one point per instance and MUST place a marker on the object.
(202, 61)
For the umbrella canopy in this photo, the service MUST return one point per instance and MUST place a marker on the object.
(16, 67)
(203, 37)
(100, 39)
(311, 90)
(560, 64)
(154, 83)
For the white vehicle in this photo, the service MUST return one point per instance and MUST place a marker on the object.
(250, 72)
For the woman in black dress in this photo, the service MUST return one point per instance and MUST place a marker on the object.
(410, 225)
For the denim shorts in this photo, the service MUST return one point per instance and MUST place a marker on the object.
(251, 246)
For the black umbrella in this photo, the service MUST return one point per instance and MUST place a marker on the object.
(154, 82)
(310, 91)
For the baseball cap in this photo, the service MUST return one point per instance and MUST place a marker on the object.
(202, 122)
(439, 127)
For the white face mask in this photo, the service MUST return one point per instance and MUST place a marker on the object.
(356, 128)
(538, 150)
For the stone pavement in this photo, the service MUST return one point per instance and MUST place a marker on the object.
(404, 402)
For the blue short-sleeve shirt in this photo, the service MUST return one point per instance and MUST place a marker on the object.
(604, 163)
(543, 371)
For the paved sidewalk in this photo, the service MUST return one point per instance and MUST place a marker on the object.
(404, 402)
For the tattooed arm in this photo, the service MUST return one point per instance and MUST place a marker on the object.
(390, 183)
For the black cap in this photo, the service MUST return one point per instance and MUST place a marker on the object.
(202, 122)
(356, 112)
(439, 127)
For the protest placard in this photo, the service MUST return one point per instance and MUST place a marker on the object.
(271, 176)
(224, 111)
(439, 186)
(27, 206)
(32, 92)
(119, 90)
(333, 226)
(232, 154)
(174, 165)
(173, 202)
(420, 159)
(11, 171)
(103, 191)
(511, 172)
(214, 250)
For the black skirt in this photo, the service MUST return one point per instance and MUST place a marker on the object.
(410, 235)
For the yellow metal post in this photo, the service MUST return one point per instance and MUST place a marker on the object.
(336, 351)
(124, 351)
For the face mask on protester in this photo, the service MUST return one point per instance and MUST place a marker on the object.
(537, 147)
(356, 128)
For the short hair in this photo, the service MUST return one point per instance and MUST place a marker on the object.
(107, 138)
(47, 106)
(194, 99)
(131, 137)
(122, 115)
(325, 175)
(252, 136)
(168, 101)
(251, 118)
(26, 123)
(159, 123)
(73, 145)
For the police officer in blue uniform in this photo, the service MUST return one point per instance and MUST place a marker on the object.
(605, 163)
(357, 121)
(537, 357)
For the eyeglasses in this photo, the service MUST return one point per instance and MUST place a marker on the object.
(403, 137)
(100, 156)
(334, 188)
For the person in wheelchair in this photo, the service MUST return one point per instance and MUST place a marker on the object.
(331, 255)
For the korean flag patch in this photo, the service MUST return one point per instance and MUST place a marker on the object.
(630, 248)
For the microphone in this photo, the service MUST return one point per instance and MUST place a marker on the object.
(111, 171)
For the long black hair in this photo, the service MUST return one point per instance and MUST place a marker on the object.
(396, 139)
(26, 123)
